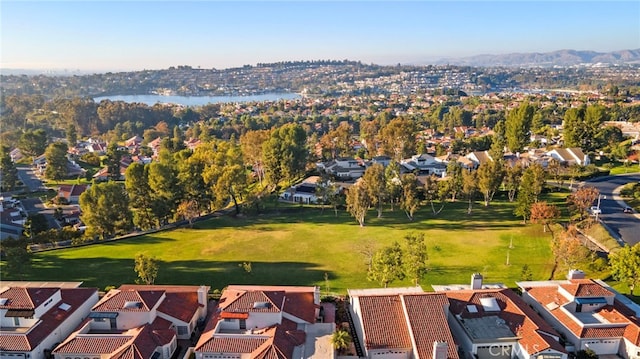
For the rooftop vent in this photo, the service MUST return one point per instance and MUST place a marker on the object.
(440, 350)
(132, 305)
(576, 274)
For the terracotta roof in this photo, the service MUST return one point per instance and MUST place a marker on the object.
(231, 344)
(297, 301)
(383, 322)
(26, 298)
(49, 321)
(182, 306)
(300, 305)
(116, 300)
(428, 321)
(140, 342)
(245, 301)
(616, 314)
(93, 344)
(523, 321)
(586, 288)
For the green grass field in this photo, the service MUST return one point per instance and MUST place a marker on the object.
(297, 246)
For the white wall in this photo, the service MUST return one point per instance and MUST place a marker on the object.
(262, 320)
(601, 346)
(629, 350)
(389, 354)
(47, 304)
(66, 328)
(128, 320)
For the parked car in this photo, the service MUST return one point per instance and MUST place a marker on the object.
(595, 210)
(627, 210)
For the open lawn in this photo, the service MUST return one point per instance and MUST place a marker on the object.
(297, 246)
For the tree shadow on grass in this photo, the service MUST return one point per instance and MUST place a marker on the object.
(453, 217)
(103, 271)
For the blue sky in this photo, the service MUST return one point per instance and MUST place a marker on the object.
(127, 35)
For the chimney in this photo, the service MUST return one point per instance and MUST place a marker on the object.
(440, 350)
(575, 274)
(202, 295)
(476, 281)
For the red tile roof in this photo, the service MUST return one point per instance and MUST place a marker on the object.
(116, 299)
(586, 288)
(244, 301)
(136, 343)
(49, 322)
(26, 298)
(383, 322)
(94, 344)
(276, 341)
(629, 327)
(297, 301)
(231, 345)
(428, 321)
(523, 321)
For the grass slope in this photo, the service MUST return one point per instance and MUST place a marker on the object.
(297, 246)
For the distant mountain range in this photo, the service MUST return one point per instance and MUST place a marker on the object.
(546, 59)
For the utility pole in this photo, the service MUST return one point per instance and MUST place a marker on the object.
(598, 211)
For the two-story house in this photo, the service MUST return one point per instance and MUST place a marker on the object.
(35, 316)
(402, 323)
(424, 164)
(493, 322)
(266, 322)
(137, 322)
(590, 314)
(344, 168)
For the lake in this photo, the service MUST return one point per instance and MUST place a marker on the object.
(197, 100)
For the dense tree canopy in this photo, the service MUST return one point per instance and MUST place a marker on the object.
(105, 210)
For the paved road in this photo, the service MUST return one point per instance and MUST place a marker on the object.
(626, 225)
(35, 205)
(29, 178)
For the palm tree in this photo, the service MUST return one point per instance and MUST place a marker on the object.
(341, 340)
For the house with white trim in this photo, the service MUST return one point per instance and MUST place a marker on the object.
(589, 313)
(137, 321)
(493, 322)
(570, 156)
(36, 316)
(402, 323)
(267, 322)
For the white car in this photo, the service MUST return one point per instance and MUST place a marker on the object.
(595, 210)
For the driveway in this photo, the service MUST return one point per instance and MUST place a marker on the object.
(29, 178)
(35, 205)
(626, 225)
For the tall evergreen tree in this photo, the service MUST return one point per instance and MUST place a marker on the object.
(56, 155)
(285, 154)
(8, 169)
(518, 127)
(375, 183)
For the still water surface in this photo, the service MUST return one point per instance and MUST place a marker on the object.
(197, 100)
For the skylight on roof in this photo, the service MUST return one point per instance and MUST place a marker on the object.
(64, 306)
(132, 305)
(472, 308)
(257, 305)
(490, 304)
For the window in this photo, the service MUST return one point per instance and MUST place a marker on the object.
(182, 330)
(16, 321)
